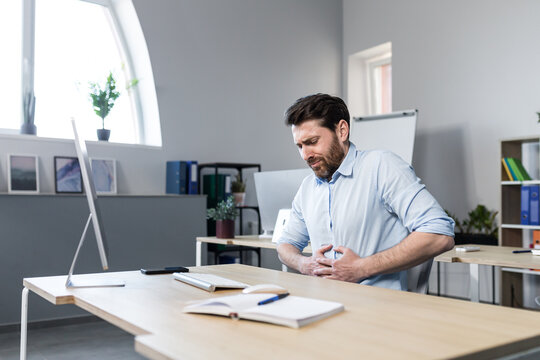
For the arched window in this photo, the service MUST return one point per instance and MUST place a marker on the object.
(10, 61)
(78, 42)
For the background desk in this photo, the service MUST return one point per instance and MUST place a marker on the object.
(377, 323)
(247, 240)
(489, 255)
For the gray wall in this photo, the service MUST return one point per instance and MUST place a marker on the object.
(472, 70)
(40, 234)
(225, 72)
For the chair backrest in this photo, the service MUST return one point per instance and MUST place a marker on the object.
(418, 277)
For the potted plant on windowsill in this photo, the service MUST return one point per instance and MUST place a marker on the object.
(238, 188)
(29, 107)
(103, 99)
(224, 214)
(479, 227)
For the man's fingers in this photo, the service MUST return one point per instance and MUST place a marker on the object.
(324, 261)
(340, 249)
(320, 252)
(323, 271)
(323, 249)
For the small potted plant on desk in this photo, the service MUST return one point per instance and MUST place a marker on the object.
(479, 228)
(224, 214)
(238, 188)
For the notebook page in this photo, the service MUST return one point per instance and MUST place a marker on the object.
(296, 308)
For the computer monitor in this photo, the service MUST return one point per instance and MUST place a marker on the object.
(94, 217)
(275, 191)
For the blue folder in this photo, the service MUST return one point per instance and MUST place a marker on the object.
(192, 181)
(525, 204)
(176, 177)
(534, 205)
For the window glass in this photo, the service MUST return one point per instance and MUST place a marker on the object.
(10, 64)
(383, 88)
(75, 45)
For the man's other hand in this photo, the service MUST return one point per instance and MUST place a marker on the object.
(310, 264)
(346, 268)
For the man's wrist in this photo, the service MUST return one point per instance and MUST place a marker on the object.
(301, 260)
(362, 268)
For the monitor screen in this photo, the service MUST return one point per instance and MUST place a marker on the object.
(275, 191)
(91, 196)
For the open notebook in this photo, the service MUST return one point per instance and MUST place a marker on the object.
(292, 311)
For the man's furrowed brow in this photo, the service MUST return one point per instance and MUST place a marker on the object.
(310, 140)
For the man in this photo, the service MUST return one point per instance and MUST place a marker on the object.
(366, 213)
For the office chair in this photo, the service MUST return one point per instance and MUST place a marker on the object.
(418, 277)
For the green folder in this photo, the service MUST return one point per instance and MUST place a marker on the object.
(522, 170)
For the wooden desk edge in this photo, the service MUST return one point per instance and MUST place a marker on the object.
(56, 300)
(143, 346)
(246, 240)
(72, 299)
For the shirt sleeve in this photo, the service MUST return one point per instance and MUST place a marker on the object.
(403, 194)
(295, 231)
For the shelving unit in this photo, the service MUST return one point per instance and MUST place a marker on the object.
(511, 232)
(239, 167)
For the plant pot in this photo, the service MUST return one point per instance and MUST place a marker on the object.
(239, 198)
(29, 129)
(225, 229)
(103, 134)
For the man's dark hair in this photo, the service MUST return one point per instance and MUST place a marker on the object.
(330, 109)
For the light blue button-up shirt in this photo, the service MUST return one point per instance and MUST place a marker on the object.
(373, 201)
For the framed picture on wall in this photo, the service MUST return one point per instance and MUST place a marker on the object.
(23, 174)
(104, 174)
(67, 175)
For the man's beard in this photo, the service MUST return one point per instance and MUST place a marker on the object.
(329, 162)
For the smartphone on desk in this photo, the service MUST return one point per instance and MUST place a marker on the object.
(165, 270)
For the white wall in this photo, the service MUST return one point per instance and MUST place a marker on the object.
(472, 70)
(225, 71)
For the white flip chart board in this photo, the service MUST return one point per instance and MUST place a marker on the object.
(394, 131)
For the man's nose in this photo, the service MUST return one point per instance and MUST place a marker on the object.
(306, 153)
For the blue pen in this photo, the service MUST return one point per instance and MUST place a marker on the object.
(272, 299)
(520, 251)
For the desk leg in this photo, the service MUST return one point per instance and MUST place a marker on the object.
(474, 284)
(438, 278)
(493, 284)
(198, 253)
(24, 321)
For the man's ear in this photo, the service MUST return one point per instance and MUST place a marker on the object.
(342, 130)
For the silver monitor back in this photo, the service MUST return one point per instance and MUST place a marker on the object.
(91, 196)
(275, 191)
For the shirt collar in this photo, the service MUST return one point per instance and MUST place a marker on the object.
(346, 167)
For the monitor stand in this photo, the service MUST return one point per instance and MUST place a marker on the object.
(88, 283)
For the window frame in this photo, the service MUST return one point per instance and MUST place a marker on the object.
(123, 43)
